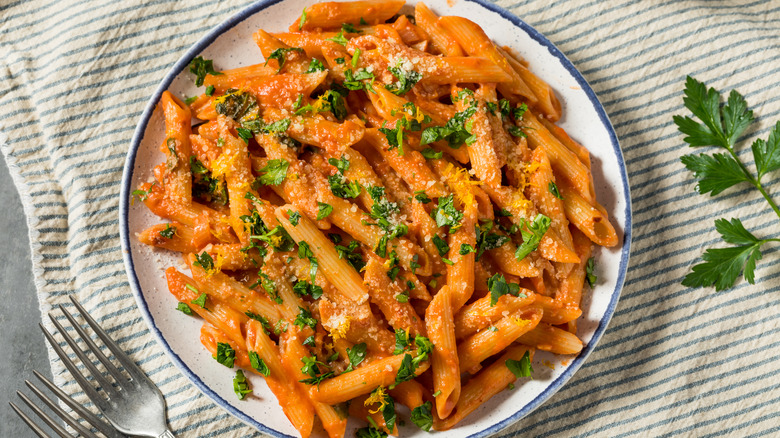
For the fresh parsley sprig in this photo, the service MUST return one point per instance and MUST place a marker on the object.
(721, 127)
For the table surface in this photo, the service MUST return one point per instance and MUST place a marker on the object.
(22, 343)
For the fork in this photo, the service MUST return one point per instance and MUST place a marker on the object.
(100, 425)
(134, 406)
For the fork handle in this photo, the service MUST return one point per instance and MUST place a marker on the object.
(167, 434)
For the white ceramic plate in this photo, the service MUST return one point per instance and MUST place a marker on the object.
(230, 45)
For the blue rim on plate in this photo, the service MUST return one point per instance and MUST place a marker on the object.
(209, 38)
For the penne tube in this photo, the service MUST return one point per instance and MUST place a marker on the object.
(333, 14)
(479, 314)
(174, 236)
(384, 294)
(294, 402)
(460, 274)
(444, 359)
(380, 372)
(546, 101)
(337, 270)
(552, 339)
(441, 40)
(237, 77)
(593, 222)
(541, 184)
(473, 350)
(483, 387)
(176, 147)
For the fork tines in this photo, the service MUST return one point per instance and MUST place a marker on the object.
(100, 425)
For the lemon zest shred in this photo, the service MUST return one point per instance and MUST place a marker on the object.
(461, 183)
(378, 396)
(340, 331)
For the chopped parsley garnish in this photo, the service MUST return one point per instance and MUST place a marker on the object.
(269, 286)
(487, 240)
(274, 172)
(446, 214)
(352, 254)
(350, 28)
(340, 60)
(225, 354)
(386, 405)
(590, 266)
(311, 369)
(355, 57)
(341, 164)
(303, 19)
(519, 111)
(310, 341)
(498, 287)
(339, 39)
(206, 187)
(258, 364)
(303, 288)
(516, 131)
(200, 68)
(263, 321)
(384, 212)
(323, 210)
(456, 131)
(342, 188)
(431, 153)
(356, 355)
(244, 134)
(314, 66)
(409, 365)
(466, 249)
(184, 308)
(240, 385)
(441, 245)
(370, 432)
(200, 301)
(330, 100)
(189, 100)
(406, 79)
(277, 238)
(522, 367)
(354, 80)
(533, 235)
(142, 195)
(204, 260)
(294, 217)
(238, 105)
(422, 197)
(305, 319)
(304, 251)
(553, 188)
(422, 417)
(401, 341)
(280, 55)
(259, 126)
(168, 232)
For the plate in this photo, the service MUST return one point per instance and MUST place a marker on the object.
(231, 45)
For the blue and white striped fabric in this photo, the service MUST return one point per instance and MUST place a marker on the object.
(674, 361)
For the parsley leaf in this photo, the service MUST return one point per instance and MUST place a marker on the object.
(303, 287)
(446, 214)
(274, 172)
(455, 131)
(258, 364)
(533, 236)
(225, 354)
(200, 68)
(401, 341)
(441, 245)
(553, 188)
(466, 249)
(200, 301)
(715, 173)
(356, 355)
(431, 153)
(352, 254)
(498, 287)
(522, 367)
(303, 19)
(280, 55)
(590, 276)
(406, 79)
(168, 232)
(422, 197)
(722, 266)
(422, 417)
(323, 210)
(370, 432)
(342, 188)
(487, 240)
(350, 28)
(240, 385)
(184, 308)
(315, 66)
(294, 217)
(339, 39)
(721, 126)
(305, 319)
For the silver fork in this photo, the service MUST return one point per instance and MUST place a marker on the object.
(100, 425)
(134, 406)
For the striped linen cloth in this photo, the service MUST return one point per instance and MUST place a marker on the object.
(674, 361)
